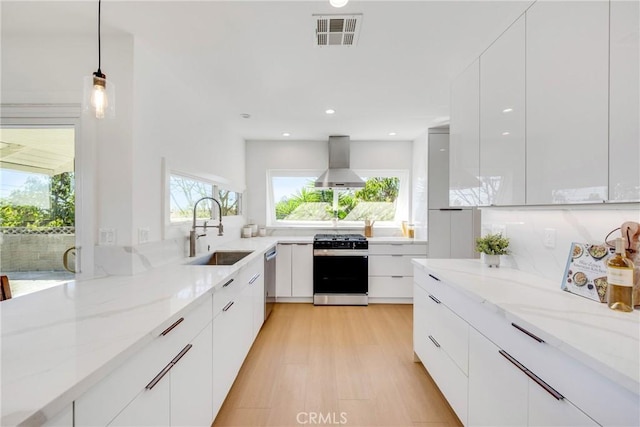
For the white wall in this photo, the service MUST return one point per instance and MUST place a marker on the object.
(525, 227)
(159, 113)
(262, 156)
(174, 121)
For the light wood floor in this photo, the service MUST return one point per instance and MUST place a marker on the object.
(352, 364)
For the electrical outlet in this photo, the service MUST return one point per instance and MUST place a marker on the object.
(143, 235)
(107, 237)
(549, 238)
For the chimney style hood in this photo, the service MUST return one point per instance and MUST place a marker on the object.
(339, 175)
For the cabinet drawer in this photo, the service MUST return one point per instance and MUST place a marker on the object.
(231, 288)
(391, 265)
(106, 399)
(450, 379)
(398, 249)
(391, 287)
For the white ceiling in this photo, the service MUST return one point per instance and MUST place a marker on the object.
(258, 57)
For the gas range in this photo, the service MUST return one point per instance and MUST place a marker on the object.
(340, 269)
(340, 241)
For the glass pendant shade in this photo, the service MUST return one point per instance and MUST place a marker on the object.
(99, 96)
(338, 3)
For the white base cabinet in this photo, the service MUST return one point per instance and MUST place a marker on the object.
(495, 372)
(391, 271)
(183, 376)
(294, 270)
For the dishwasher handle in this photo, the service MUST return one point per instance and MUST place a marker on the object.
(271, 254)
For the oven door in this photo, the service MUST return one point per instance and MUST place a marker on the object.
(340, 276)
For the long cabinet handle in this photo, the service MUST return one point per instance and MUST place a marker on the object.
(398, 255)
(524, 331)
(254, 278)
(228, 306)
(433, 277)
(437, 301)
(397, 277)
(182, 353)
(553, 392)
(158, 377)
(433, 340)
(544, 385)
(228, 283)
(167, 368)
(512, 360)
(170, 328)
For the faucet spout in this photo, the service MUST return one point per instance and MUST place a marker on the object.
(193, 235)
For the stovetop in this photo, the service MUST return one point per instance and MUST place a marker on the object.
(339, 237)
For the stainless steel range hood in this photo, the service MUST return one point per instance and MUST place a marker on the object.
(339, 175)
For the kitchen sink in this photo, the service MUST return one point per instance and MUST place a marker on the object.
(221, 258)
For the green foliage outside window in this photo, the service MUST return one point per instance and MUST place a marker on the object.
(375, 201)
(24, 208)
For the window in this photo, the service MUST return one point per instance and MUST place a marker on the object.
(295, 201)
(185, 192)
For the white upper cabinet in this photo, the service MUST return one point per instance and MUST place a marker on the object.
(624, 137)
(465, 138)
(567, 82)
(502, 118)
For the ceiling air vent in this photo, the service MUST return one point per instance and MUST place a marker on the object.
(337, 30)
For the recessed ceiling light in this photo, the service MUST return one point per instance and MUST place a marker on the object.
(443, 149)
(245, 115)
(286, 134)
(338, 3)
(330, 111)
(507, 110)
(506, 133)
(392, 134)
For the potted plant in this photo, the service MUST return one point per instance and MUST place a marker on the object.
(492, 246)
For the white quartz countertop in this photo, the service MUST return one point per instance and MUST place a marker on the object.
(59, 342)
(603, 339)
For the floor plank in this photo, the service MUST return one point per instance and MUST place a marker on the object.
(332, 365)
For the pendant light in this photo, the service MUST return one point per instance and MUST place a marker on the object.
(99, 95)
(338, 3)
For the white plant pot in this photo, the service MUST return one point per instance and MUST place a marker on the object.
(492, 260)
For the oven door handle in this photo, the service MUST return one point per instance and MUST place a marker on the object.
(341, 252)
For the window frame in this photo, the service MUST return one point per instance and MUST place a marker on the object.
(402, 202)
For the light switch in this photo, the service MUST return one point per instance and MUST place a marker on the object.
(143, 235)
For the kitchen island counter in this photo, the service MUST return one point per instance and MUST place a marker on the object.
(607, 341)
(61, 341)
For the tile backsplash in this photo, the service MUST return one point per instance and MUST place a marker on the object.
(527, 229)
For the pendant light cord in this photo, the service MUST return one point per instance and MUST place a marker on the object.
(99, 42)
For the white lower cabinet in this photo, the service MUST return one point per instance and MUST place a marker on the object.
(391, 271)
(503, 392)
(183, 376)
(150, 408)
(497, 388)
(294, 270)
(442, 348)
(495, 373)
(232, 338)
(191, 383)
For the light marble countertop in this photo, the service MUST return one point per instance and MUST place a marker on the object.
(603, 339)
(59, 342)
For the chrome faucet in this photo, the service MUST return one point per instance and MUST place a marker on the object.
(193, 235)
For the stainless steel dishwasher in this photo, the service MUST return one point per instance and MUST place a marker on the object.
(269, 281)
